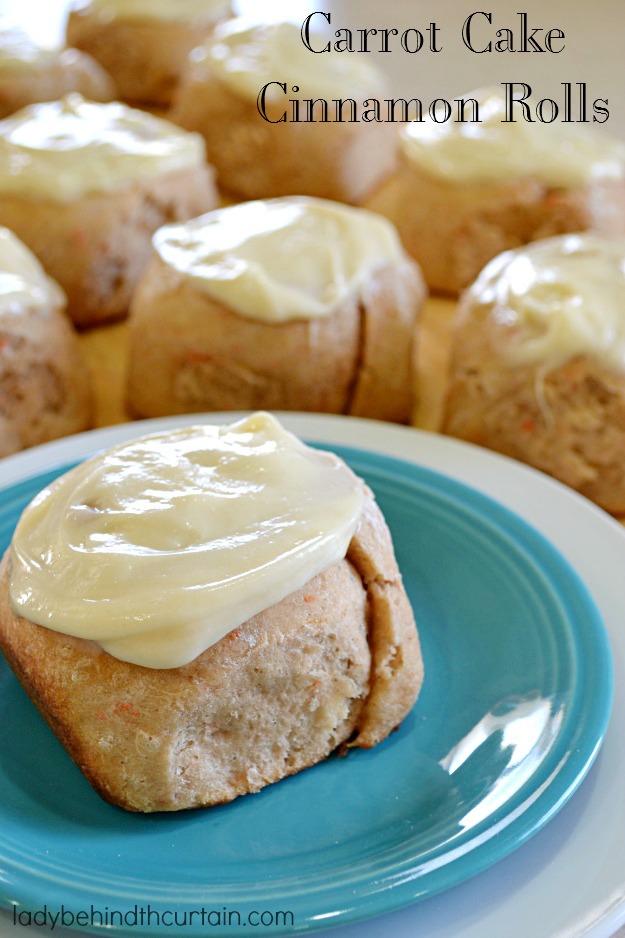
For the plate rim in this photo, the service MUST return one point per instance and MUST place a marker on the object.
(28, 468)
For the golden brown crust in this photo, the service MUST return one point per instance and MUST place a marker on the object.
(568, 422)
(189, 353)
(338, 659)
(97, 246)
(256, 159)
(452, 230)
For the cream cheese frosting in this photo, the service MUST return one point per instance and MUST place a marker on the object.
(65, 149)
(168, 11)
(159, 547)
(23, 281)
(18, 52)
(557, 154)
(563, 297)
(280, 259)
(246, 56)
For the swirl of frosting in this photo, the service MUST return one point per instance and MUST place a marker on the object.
(65, 149)
(494, 150)
(245, 57)
(23, 282)
(280, 259)
(562, 297)
(159, 547)
(178, 11)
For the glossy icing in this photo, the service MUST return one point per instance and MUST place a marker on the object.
(159, 547)
(161, 10)
(66, 149)
(23, 282)
(246, 56)
(563, 296)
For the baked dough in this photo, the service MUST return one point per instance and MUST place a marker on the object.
(257, 159)
(29, 74)
(334, 665)
(191, 351)
(490, 195)
(538, 373)
(453, 231)
(44, 384)
(145, 55)
(98, 246)
(94, 237)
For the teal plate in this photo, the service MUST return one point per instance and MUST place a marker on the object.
(513, 710)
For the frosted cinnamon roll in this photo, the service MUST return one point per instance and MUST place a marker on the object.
(291, 304)
(241, 576)
(85, 186)
(143, 44)
(538, 366)
(467, 190)
(249, 90)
